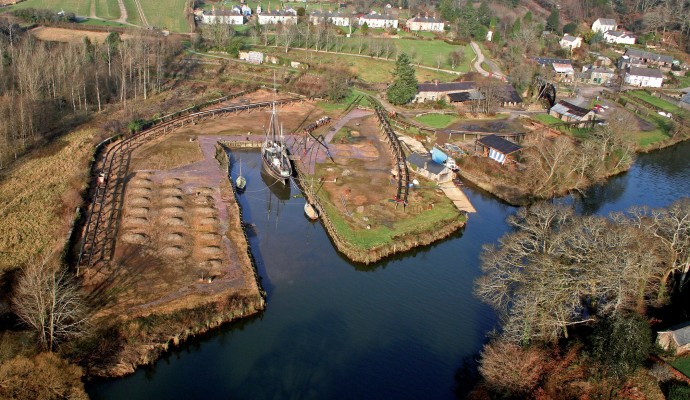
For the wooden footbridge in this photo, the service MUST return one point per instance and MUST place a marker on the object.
(398, 156)
(110, 174)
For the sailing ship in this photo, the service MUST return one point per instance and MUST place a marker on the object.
(273, 150)
(240, 182)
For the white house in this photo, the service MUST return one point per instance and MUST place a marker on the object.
(335, 18)
(604, 24)
(644, 77)
(375, 20)
(570, 42)
(618, 37)
(427, 24)
(230, 17)
(564, 72)
(287, 16)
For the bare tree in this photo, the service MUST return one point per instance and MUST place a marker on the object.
(48, 300)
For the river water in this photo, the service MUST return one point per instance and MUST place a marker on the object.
(334, 330)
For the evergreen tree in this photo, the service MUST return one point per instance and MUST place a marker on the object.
(404, 87)
(553, 21)
(447, 10)
(484, 13)
(527, 19)
(517, 26)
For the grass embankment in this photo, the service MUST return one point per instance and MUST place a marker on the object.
(549, 120)
(437, 120)
(382, 235)
(38, 196)
(166, 14)
(656, 101)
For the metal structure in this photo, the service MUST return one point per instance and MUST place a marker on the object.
(398, 155)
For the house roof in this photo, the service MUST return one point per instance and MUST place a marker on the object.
(651, 56)
(508, 94)
(569, 38)
(644, 71)
(606, 21)
(446, 87)
(282, 13)
(377, 16)
(569, 109)
(563, 68)
(549, 61)
(420, 159)
(328, 14)
(424, 19)
(459, 97)
(231, 12)
(681, 333)
(619, 34)
(498, 143)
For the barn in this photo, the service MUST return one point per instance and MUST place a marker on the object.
(498, 148)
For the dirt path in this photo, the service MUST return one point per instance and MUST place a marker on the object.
(123, 12)
(92, 11)
(144, 21)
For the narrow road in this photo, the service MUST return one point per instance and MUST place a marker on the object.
(495, 71)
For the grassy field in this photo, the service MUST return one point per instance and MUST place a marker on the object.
(682, 365)
(366, 239)
(166, 14)
(107, 9)
(132, 13)
(367, 68)
(100, 22)
(661, 103)
(33, 215)
(79, 7)
(437, 120)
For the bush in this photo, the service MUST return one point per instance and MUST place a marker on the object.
(621, 344)
(679, 392)
(570, 28)
(510, 369)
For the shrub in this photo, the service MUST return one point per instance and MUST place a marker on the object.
(621, 343)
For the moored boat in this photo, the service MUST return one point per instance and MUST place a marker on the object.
(240, 182)
(274, 152)
(310, 211)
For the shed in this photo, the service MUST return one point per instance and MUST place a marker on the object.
(569, 112)
(498, 148)
(675, 338)
(425, 166)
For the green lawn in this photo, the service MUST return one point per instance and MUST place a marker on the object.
(661, 103)
(547, 119)
(107, 9)
(79, 7)
(437, 120)
(367, 68)
(328, 106)
(166, 14)
(682, 365)
(426, 52)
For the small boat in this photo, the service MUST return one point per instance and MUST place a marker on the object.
(311, 211)
(240, 182)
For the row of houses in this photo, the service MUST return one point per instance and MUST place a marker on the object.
(239, 15)
(639, 68)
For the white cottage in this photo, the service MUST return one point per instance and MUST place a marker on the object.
(426, 24)
(287, 16)
(375, 20)
(230, 17)
(618, 37)
(604, 24)
(644, 77)
(335, 18)
(570, 42)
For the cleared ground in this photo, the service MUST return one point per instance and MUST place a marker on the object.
(69, 35)
(359, 189)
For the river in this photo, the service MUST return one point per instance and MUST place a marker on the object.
(333, 330)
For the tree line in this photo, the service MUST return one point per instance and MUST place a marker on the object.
(46, 85)
(557, 273)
